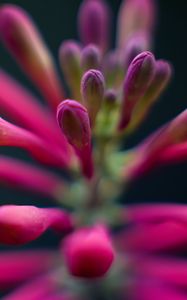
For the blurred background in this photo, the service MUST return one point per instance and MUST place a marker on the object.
(57, 21)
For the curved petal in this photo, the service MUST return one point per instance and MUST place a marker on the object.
(172, 271)
(24, 176)
(37, 289)
(19, 104)
(156, 213)
(164, 236)
(19, 266)
(21, 37)
(11, 135)
(23, 224)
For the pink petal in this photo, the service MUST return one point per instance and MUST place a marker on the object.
(23, 224)
(11, 135)
(156, 291)
(24, 176)
(24, 42)
(19, 266)
(171, 271)
(160, 237)
(25, 109)
(173, 154)
(38, 289)
(156, 213)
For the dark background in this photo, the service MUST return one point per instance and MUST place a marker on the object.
(57, 21)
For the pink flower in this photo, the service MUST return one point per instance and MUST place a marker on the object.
(106, 251)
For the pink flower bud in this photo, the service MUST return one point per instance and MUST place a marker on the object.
(70, 61)
(94, 23)
(92, 89)
(23, 40)
(88, 252)
(113, 70)
(163, 74)
(74, 121)
(139, 76)
(91, 58)
(134, 16)
(23, 224)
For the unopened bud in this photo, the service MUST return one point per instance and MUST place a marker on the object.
(88, 252)
(70, 60)
(139, 76)
(92, 89)
(74, 122)
(113, 70)
(134, 16)
(91, 58)
(94, 23)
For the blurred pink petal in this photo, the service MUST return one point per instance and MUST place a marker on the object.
(24, 176)
(19, 266)
(11, 135)
(148, 290)
(21, 37)
(17, 103)
(169, 235)
(38, 289)
(169, 270)
(23, 224)
(156, 213)
(173, 154)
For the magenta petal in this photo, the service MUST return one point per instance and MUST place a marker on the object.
(23, 224)
(169, 235)
(155, 290)
(11, 135)
(172, 271)
(38, 289)
(23, 40)
(20, 266)
(156, 213)
(24, 176)
(17, 103)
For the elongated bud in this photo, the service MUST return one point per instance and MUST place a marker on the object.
(23, 40)
(94, 23)
(110, 99)
(139, 76)
(160, 81)
(74, 121)
(136, 44)
(92, 89)
(70, 61)
(134, 16)
(88, 252)
(91, 58)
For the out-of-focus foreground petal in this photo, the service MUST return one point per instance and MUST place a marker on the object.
(150, 289)
(20, 105)
(24, 176)
(23, 40)
(38, 289)
(19, 266)
(168, 235)
(23, 224)
(154, 213)
(169, 270)
(47, 153)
